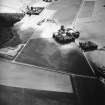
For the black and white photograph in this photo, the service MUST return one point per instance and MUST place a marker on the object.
(52, 52)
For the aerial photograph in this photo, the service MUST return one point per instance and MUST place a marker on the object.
(52, 52)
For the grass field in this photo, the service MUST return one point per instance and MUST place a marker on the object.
(41, 53)
(66, 10)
